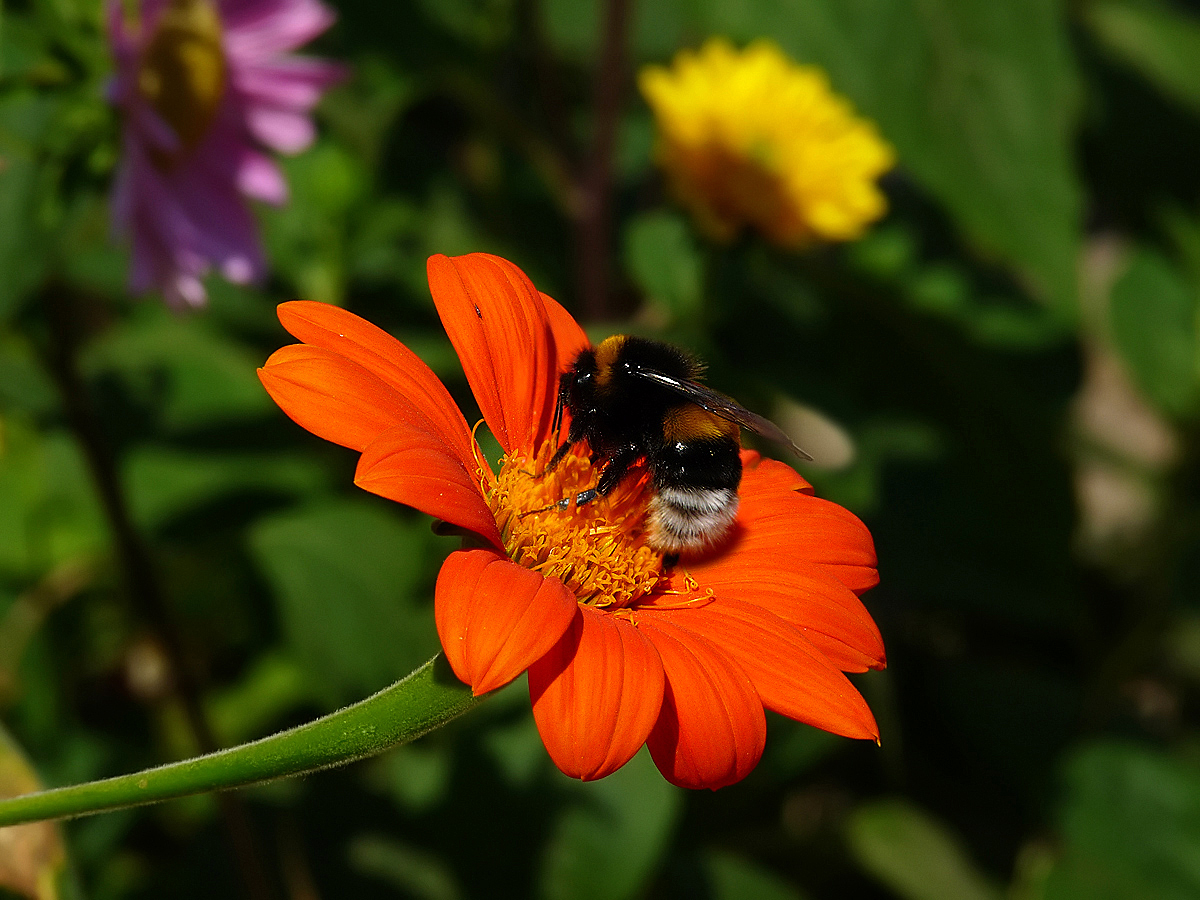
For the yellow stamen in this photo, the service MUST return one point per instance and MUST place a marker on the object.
(598, 550)
(183, 71)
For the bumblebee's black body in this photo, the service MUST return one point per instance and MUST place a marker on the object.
(633, 398)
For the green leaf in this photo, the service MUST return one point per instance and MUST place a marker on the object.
(515, 746)
(424, 700)
(979, 98)
(162, 482)
(573, 27)
(193, 374)
(24, 384)
(607, 844)
(272, 687)
(415, 872)
(48, 511)
(1154, 326)
(913, 854)
(665, 263)
(22, 257)
(487, 23)
(733, 878)
(1129, 827)
(416, 776)
(1159, 42)
(306, 242)
(345, 576)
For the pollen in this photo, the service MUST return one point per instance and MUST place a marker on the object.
(598, 549)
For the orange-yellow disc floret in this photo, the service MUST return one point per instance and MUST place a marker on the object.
(598, 550)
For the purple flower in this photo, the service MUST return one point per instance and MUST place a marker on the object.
(204, 87)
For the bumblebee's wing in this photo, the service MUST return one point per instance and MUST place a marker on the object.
(720, 405)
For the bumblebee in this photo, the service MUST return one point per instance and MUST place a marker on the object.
(631, 399)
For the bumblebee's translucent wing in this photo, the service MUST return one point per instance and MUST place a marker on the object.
(720, 405)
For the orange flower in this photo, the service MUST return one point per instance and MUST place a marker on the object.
(621, 650)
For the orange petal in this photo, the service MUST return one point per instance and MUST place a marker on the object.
(712, 728)
(498, 324)
(332, 397)
(423, 472)
(596, 695)
(825, 611)
(341, 332)
(495, 619)
(785, 529)
(791, 676)
(771, 475)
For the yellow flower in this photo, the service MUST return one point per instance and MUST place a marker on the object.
(751, 138)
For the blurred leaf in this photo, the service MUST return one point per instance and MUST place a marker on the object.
(794, 748)
(607, 844)
(417, 873)
(21, 252)
(415, 775)
(33, 856)
(516, 746)
(979, 98)
(48, 512)
(733, 878)
(24, 384)
(634, 152)
(1129, 826)
(344, 576)
(664, 261)
(306, 240)
(448, 225)
(273, 687)
(192, 373)
(877, 444)
(24, 615)
(1159, 42)
(1154, 326)
(913, 854)
(163, 483)
(573, 27)
(378, 251)
(944, 288)
(362, 111)
(483, 22)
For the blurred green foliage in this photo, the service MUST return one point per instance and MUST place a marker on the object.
(1008, 367)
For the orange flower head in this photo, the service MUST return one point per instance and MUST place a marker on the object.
(621, 650)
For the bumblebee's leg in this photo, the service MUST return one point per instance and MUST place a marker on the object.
(564, 394)
(558, 456)
(616, 469)
(574, 435)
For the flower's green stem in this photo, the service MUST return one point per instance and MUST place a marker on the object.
(413, 706)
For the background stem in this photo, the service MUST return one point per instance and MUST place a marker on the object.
(593, 225)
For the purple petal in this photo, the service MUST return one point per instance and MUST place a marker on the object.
(260, 178)
(280, 129)
(289, 81)
(259, 29)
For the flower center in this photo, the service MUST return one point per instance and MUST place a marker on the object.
(183, 71)
(598, 550)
